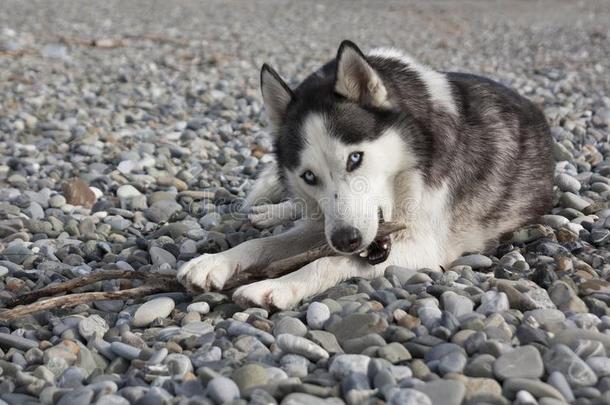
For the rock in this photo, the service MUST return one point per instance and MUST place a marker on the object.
(7, 341)
(554, 221)
(474, 261)
(443, 392)
(124, 350)
(562, 359)
(394, 353)
(153, 309)
(288, 325)
(326, 340)
(521, 362)
(317, 314)
(162, 211)
(356, 325)
(344, 364)
(79, 396)
(493, 302)
(77, 192)
(199, 307)
(160, 256)
(17, 252)
(566, 299)
(92, 327)
(599, 365)
(571, 200)
(248, 376)
(535, 387)
(455, 304)
(299, 345)
(222, 390)
(567, 183)
(409, 396)
(127, 191)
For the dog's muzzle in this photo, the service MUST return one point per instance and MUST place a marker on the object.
(379, 250)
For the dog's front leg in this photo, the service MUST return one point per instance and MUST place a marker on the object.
(287, 291)
(211, 271)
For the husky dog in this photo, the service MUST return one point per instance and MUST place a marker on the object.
(459, 159)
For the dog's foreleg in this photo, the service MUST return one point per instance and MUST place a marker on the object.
(287, 291)
(211, 271)
(268, 215)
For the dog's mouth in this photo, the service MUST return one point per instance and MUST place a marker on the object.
(379, 250)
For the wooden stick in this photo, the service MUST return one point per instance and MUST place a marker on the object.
(68, 286)
(155, 283)
(290, 264)
(72, 300)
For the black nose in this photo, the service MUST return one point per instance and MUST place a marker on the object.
(346, 239)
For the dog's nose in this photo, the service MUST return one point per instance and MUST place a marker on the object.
(346, 239)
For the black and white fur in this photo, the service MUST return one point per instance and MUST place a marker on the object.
(459, 159)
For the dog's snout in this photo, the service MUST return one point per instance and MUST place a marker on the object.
(346, 239)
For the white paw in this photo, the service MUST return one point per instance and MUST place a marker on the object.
(270, 294)
(207, 272)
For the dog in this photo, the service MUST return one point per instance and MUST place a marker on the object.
(457, 158)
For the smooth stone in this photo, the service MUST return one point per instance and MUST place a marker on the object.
(124, 350)
(562, 359)
(558, 380)
(566, 182)
(250, 375)
(18, 342)
(456, 304)
(572, 335)
(326, 340)
(317, 314)
(356, 325)
(600, 365)
(160, 256)
(443, 392)
(345, 364)
(571, 200)
(127, 191)
(493, 302)
(522, 362)
(566, 299)
(299, 345)
(288, 325)
(199, 307)
(409, 396)
(533, 386)
(92, 327)
(111, 400)
(394, 353)
(240, 328)
(222, 390)
(79, 396)
(149, 311)
(475, 261)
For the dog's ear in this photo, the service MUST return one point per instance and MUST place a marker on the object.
(356, 79)
(276, 95)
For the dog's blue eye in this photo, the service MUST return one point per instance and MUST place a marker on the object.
(309, 177)
(354, 161)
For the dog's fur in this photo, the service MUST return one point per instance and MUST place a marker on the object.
(460, 159)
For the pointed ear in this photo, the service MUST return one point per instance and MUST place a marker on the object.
(276, 95)
(356, 79)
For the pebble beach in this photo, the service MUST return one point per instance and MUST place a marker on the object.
(130, 131)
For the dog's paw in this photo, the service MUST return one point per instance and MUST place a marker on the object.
(207, 272)
(270, 294)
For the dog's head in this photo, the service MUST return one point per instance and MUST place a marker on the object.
(338, 145)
